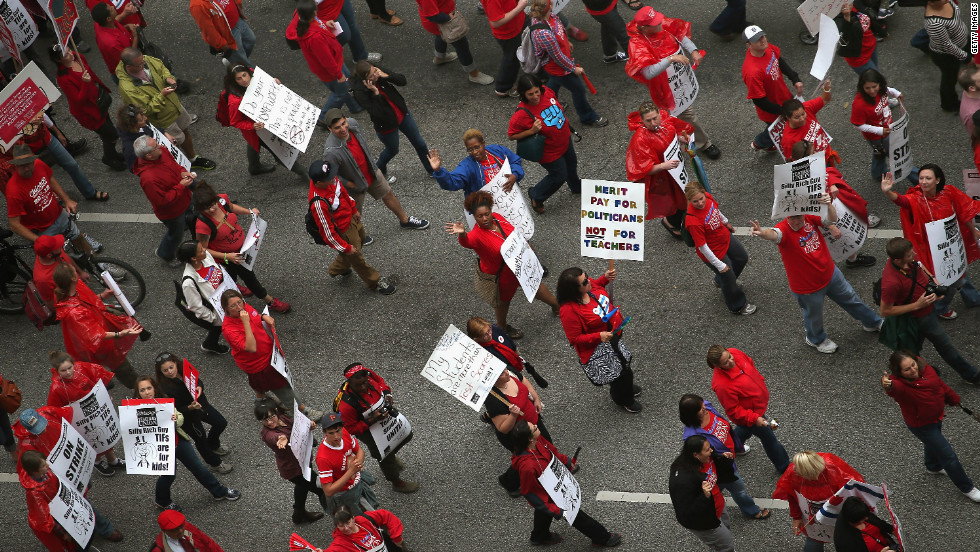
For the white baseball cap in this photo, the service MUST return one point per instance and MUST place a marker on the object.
(753, 33)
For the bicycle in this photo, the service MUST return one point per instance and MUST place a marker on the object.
(129, 280)
(14, 274)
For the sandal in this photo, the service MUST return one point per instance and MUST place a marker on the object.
(99, 196)
(633, 4)
(673, 231)
(537, 206)
(763, 514)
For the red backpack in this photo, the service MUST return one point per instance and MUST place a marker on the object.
(222, 114)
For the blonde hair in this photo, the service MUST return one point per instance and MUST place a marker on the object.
(473, 133)
(539, 8)
(809, 465)
(692, 189)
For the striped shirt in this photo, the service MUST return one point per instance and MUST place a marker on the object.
(947, 35)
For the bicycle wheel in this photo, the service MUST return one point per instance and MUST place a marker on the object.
(129, 279)
(13, 282)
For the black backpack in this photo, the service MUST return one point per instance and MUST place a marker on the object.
(685, 235)
(181, 303)
(191, 218)
(311, 228)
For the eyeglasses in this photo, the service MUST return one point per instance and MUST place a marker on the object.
(474, 148)
(269, 417)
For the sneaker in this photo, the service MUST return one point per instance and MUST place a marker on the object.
(748, 309)
(634, 408)
(172, 506)
(402, 486)
(343, 274)
(103, 468)
(873, 328)
(826, 346)
(203, 163)
(194, 118)
(230, 495)
(757, 148)
(512, 93)
(711, 152)
(222, 450)
(384, 288)
(368, 240)
(120, 463)
(116, 536)
(218, 349)
(279, 306)
(973, 494)
(885, 13)
(949, 315)
(614, 540)
(392, 179)
(118, 274)
(616, 58)
(937, 472)
(75, 147)
(448, 58)
(222, 468)
(96, 245)
(553, 538)
(414, 223)
(481, 78)
(598, 123)
(374, 57)
(515, 494)
(244, 290)
(861, 260)
(480, 10)
(746, 450)
(637, 390)
(873, 221)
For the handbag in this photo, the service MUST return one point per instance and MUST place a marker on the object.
(104, 101)
(605, 364)
(10, 396)
(454, 29)
(486, 285)
(38, 312)
(531, 147)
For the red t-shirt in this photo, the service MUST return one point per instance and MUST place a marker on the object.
(554, 127)
(806, 258)
(32, 199)
(360, 158)
(863, 113)
(868, 41)
(764, 79)
(230, 235)
(329, 10)
(212, 275)
(711, 471)
(873, 539)
(895, 287)
(331, 463)
(810, 130)
(398, 112)
(705, 226)
(496, 10)
(231, 11)
(44, 279)
(490, 167)
(721, 430)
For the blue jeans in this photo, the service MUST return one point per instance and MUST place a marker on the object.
(930, 329)
(731, 20)
(103, 526)
(390, 141)
(812, 545)
(879, 164)
(763, 140)
(245, 38)
(575, 85)
(190, 460)
(175, 233)
(67, 162)
(971, 297)
(840, 292)
(339, 95)
(871, 64)
(939, 455)
(351, 33)
(561, 170)
(735, 258)
(741, 496)
(770, 443)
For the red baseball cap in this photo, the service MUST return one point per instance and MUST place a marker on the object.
(648, 16)
(45, 245)
(170, 519)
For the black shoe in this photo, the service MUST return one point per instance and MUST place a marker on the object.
(261, 168)
(553, 538)
(104, 468)
(544, 271)
(217, 349)
(711, 152)
(114, 164)
(203, 163)
(384, 288)
(637, 390)
(860, 261)
(614, 540)
(634, 408)
(368, 240)
(80, 145)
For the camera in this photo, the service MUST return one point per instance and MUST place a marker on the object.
(388, 408)
(938, 290)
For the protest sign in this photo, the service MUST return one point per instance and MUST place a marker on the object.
(72, 458)
(815, 134)
(26, 96)
(110, 283)
(815, 530)
(522, 261)
(64, 16)
(227, 282)
(612, 219)
(971, 185)
(826, 47)
(899, 536)
(389, 433)
(899, 153)
(253, 241)
(95, 418)
(9, 43)
(510, 205)
(191, 377)
(278, 360)
(683, 84)
(463, 368)
(279, 147)
(20, 24)
(798, 185)
(73, 513)
(811, 9)
(562, 487)
(164, 142)
(301, 440)
(149, 436)
(853, 233)
(679, 173)
(297, 543)
(948, 251)
(284, 112)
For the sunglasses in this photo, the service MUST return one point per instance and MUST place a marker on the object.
(585, 282)
(164, 357)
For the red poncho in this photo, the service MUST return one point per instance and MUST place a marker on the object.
(84, 323)
(850, 198)
(646, 149)
(835, 475)
(39, 494)
(47, 439)
(921, 210)
(649, 50)
(65, 391)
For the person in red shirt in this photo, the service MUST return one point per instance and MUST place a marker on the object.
(486, 238)
(432, 13)
(762, 73)
(338, 222)
(858, 530)
(532, 454)
(871, 113)
(49, 253)
(340, 464)
(342, 13)
(812, 274)
(224, 28)
(743, 394)
(801, 123)
(168, 188)
(175, 529)
(112, 36)
(923, 395)
(589, 320)
(357, 533)
(507, 21)
(716, 246)
(655, 43)
(859, 46)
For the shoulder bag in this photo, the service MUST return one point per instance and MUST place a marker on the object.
(486, 285)
(531, 147)
(455, 29)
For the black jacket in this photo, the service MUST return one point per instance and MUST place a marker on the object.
(849, 539)
(693, 510)
(382, 115)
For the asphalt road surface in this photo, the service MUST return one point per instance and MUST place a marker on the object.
(824, 402)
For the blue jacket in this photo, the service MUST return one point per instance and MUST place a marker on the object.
(715, 443)
(468, 176)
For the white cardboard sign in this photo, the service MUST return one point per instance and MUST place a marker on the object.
(463, 368)
(948, 251)
(253, 241)
(612, 219)
(73, 513)
(563, 488)
(797, 187)
(72, 458)
(95, 418)
(683, 84)
(512, 206)
(853, 231)
(149, 436)
(522, 261)
(301, 440)
(284, 112)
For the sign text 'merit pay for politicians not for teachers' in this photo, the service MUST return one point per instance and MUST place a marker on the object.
(612, 219)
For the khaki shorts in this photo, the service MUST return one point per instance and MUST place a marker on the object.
(378, 189)
(176, 128)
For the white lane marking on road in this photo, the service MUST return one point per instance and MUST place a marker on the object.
(9, 478)
(658, 498)
(873, 233)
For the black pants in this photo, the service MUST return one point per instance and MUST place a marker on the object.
(302, 488)
(378, 8)
(509, 66)
(510, 480)
(621, 388)
(949, 68)
(207, 441)
(214, 334)
(107, 133)
(248, 277)
(677, 219)
(583, 522)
